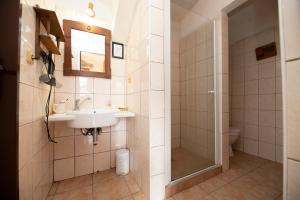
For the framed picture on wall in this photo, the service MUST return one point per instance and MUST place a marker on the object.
(117, 50)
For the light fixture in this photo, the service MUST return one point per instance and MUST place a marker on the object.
(90, 11)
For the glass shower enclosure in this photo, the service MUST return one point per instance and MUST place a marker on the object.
(193, 82)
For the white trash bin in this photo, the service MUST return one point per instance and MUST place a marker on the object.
(122, 162)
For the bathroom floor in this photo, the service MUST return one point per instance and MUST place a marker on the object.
(185, 163)
(249, 177)
(101, 186)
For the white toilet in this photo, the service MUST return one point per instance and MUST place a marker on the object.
(234, 134)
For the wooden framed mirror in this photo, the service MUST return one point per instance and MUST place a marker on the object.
(87, 50)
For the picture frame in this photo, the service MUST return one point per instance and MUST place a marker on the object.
(117, 50)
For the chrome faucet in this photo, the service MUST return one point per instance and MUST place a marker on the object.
(78, 102)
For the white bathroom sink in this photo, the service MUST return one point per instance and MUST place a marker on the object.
(92, 118)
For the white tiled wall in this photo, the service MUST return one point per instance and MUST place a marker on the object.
(157, 100)
(138, 96)
(289, 25)
(35, 151)
(256, 97)
(73, 148)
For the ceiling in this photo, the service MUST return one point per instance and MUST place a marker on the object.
(251, 18)
(115, 15)
(179, 8)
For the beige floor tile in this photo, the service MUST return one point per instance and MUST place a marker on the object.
(104, 175)
(139, 196)
(77, 194)
(74, 183)
(132, 185)
(128, 198)
(194, 193)
(114, 188)
(229, 192)
(212, 184)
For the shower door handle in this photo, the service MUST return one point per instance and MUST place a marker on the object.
(211, 92)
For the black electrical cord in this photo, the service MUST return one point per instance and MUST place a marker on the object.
(46, 59)
(47, 110)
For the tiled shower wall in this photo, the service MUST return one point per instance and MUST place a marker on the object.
(35, 151)
(175, 85)
(196, 80)
(256, 97)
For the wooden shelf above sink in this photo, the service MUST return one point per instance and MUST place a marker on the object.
(50, 21)
(49, 44)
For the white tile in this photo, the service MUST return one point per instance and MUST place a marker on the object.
(251, 146)
(158, 3)
(64, 148)
(157, 187)
(103, 143)
(267, 86)
(84, 165)
(25, 104)
(83, 145)
(25, 144)
(267, 118)
(267, 70)
(267, 102)
(113, 159)
(279, 136)
(293, 109)
(157, 21)
(118, 67)
(101, 86)
(102, 100)
(120, 126)
(118, 101)
(251, 87)
(251, 131)
(157, 132)
(117, 85)
(118, 140)
(61, 172)
(291, 28)
(157, 104)
(279, 154)
(68, 82)
(157, 76)
(267, 134)
(293, 179)
(84, 85)
(267, 151)
(157, 160)
(156, 49)
(101, 161)
(61, 129)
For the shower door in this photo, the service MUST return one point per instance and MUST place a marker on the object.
(193, 94)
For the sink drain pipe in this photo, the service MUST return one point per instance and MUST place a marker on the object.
(92, 132)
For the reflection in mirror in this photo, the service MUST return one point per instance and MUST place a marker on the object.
(88, 51)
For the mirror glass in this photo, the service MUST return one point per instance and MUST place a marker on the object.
(88, 51)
